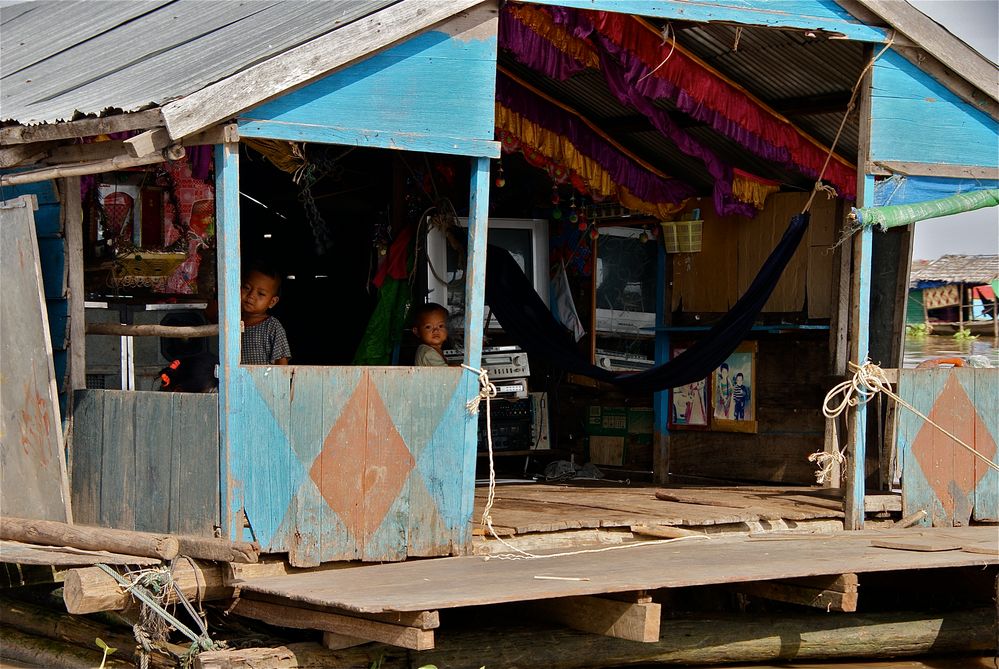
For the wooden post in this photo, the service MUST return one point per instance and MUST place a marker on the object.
(660, 400)
(72, 211)
(960, 307)
(227, 230)
(475, 291)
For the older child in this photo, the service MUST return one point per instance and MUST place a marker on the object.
(430, 327)
(264, 341)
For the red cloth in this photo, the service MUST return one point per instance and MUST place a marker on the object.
(395, 264)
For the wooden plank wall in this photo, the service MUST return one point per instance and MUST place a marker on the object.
(52, 254)
(32, 460)
(734, 248)
(146, 461)
(789, 392)
(433, 92)
(938, 475)
(346, 463)
(917, 119)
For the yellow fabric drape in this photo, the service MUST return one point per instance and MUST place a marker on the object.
(559, 150)
(542, 23)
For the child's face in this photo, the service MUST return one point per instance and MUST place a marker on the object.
(432, 329)
(258, 294)
(738, 379)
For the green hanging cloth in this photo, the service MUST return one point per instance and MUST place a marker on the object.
(904, 214)
(385, 327)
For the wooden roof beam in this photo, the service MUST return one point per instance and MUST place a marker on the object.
(87, 127)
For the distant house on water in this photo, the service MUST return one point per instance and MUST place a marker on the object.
(954, 292)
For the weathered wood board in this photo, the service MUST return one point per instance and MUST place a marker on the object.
(33, 480)
(469, 581)
(146, 461)
(15, 552)
(938, 475)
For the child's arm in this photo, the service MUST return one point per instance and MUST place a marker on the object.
(281, 361)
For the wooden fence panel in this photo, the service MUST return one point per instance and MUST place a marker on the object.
(938, 475)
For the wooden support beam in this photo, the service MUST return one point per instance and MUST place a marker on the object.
(623, 620)
(830, 593)
(19, 154)
(72, 212)
(94, 167)
(298, 618)
(88, 127)
(153, 330)
(54, 533)
(335, 641)
(424, 620)
(713, 640)
(891, 167)
(148, 142)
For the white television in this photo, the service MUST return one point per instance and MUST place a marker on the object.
(525, 238)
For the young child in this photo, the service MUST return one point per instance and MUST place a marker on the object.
(430, 327)
(264, 341)
(740, 397)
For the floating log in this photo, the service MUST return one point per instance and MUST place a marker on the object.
(39, 621)
(53, 533)
(715, 640)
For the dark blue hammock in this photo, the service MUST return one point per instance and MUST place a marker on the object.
(524, 316)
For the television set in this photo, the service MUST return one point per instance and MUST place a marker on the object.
(624, 284)
(527, 241)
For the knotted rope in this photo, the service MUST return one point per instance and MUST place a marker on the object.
(869, 380)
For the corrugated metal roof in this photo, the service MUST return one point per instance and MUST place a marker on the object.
(957, 269)
(62, 57)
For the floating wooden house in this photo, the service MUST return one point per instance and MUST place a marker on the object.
(171, 144)
(959, 290)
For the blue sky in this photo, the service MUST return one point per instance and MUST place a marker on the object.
(977, 232)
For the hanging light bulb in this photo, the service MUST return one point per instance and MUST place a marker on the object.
(594, 233)
(500, 180)
(573, 216)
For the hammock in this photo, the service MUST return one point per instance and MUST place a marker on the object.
(524, 316)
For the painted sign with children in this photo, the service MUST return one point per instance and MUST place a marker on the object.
(732, 391)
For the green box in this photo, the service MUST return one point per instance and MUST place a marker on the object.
(640, 420)
(607, 421)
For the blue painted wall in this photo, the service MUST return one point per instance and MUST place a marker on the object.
(432, 93)
(914, 118)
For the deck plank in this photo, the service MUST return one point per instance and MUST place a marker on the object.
(469, 581)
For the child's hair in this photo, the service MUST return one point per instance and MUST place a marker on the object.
(418, 311)
(739, 376)
(190, 374)
(724, 366)
(261, 267)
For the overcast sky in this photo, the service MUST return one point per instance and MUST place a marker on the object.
(977, 232)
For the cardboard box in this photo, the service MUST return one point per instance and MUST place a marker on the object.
(607, 421)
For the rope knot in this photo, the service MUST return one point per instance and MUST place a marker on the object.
(487, 390)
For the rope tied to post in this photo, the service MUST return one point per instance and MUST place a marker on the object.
(868, 380)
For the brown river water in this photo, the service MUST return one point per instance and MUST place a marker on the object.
(918, 349)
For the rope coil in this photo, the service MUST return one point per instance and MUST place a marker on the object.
(867, 382)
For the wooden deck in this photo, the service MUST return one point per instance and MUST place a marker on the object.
(429, 585)
(538, 508)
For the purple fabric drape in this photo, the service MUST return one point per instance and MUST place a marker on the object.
(535, 51)
(642, 183)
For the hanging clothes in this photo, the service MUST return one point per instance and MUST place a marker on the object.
(526, 318)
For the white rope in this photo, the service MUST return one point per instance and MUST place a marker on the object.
(869, 380)
(487, 391)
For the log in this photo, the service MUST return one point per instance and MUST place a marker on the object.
(153, 330)
(716, 640)
(87, 127)
(218, 550)
(54, 533)
(35, 651)
(39, 621)
(91, 589)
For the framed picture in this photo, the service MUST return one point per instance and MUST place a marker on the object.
(690, 405)
(733, 390)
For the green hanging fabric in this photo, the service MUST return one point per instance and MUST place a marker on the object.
(385, 326)
(904, 214)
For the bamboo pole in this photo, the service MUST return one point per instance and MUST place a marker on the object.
(174, 152)
(153, 330)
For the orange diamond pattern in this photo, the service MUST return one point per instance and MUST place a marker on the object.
(948, 467)
(364, 463)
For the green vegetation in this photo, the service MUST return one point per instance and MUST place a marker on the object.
(107, 650)
(964, 335)
(917, 330)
